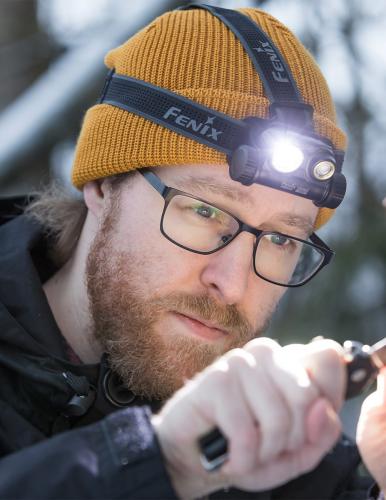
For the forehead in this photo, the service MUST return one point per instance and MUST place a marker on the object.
(257, 205)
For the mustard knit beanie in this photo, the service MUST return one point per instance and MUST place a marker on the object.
(194, 54)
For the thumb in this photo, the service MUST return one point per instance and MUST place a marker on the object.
(381, 386)
(371, 431)
(374, 406)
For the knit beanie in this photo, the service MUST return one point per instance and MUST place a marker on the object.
(194, 54)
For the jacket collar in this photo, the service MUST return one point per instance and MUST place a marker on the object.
(34, 346)
(24, 267)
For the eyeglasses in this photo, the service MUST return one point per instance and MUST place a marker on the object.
(200, 227)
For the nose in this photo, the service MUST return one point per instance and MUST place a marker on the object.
(228, 271)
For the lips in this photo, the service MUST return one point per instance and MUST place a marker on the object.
(200, 327)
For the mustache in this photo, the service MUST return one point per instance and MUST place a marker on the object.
(226, 317)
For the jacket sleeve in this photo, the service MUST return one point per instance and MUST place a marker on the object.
(119, 457)
(337, 477)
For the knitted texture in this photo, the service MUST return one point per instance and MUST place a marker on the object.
(194, 54)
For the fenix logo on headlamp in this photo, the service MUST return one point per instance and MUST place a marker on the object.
(278, 72)
(204, 128)
(282, 152)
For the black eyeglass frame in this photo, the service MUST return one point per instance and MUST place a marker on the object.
(168, 192)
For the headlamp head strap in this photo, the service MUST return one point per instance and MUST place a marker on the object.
(279, 85)
(277, 79)
(178, 113)
(196, 121)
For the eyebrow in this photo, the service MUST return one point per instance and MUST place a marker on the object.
(204, 184)
(302, 222)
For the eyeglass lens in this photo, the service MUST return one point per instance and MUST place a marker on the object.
(201, 227)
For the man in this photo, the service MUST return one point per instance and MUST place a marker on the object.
(146, 293)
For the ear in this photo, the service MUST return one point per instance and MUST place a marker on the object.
(94, 193)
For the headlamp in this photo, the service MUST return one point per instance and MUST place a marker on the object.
(282, 151)
(289, 159)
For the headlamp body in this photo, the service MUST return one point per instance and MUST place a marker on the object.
(253, 160)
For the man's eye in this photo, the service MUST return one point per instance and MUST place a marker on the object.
(206, 211)
(279, 239)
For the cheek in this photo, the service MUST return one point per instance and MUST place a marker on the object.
(157, 262)
(262, 298)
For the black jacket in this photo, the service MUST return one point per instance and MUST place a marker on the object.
(63, 431)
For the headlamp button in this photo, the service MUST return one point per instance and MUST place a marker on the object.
(324, 170)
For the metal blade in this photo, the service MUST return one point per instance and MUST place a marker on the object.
(378, 353)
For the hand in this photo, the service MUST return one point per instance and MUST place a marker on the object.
(277, 406)
(371, 432)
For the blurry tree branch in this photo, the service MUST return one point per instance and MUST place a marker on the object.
(54, 103)
(25, 51)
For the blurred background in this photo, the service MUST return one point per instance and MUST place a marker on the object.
(51, 63)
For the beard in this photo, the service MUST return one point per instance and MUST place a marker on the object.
(124, 319)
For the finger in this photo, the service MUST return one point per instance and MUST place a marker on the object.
(266, 400)
(323, 360)
(381, 386)
(373, 414)
(317, 419)
(293, 385)
(220, 400)
(371, 430)
(293, 381)
(293, 464)
(234, 417)
(377, 399)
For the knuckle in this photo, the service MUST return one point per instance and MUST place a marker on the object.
(277, 423)
(302, 396)
(262, 346)
(238, 359)
(331, 349)
(278, 427)
(246, 438)
(238, 352)
(216, 377)
(331, 362)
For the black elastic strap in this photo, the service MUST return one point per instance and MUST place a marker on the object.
(278, 82)
(175, 112)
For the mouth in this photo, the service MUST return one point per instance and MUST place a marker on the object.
(201, 328)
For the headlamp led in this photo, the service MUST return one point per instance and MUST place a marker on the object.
(282, 151)
(286, 156)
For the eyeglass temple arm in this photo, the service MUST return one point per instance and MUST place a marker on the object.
(319, 242)
(154, 180)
